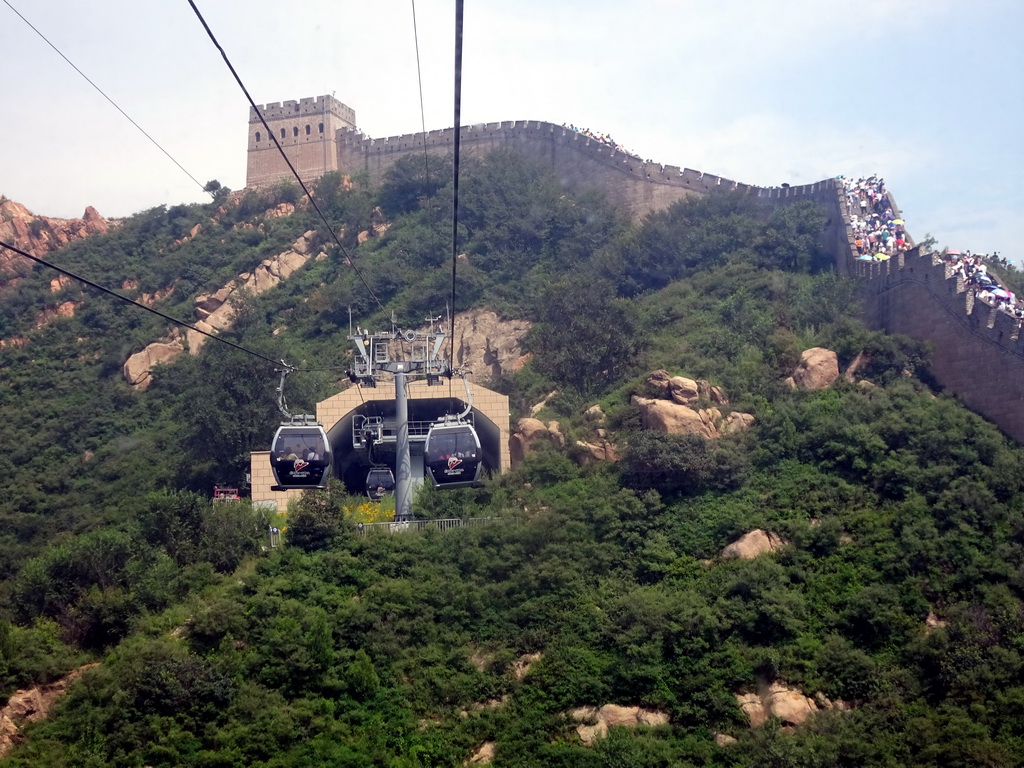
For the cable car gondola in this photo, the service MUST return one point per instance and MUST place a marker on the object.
(452, 455)
(300, 456)
(301, 453)
(380, 482)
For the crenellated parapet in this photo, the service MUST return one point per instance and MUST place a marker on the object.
(634, 185)
(978, 352)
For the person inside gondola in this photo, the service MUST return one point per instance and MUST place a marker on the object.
(312, 455)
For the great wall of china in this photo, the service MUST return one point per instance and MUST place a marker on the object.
(978, 351)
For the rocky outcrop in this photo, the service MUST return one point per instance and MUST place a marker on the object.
(557, 436)
(753, 544)
(523, 664)
(487, 345)
(682, 390)
(138, 368)
(818, 369)
(736, 422)
(215, 311)
(675, 407)
(790, 706)
(933, 622)
(595, 721)
(29, 705)
(529, 432)
(599, 448)
(675, 419)
(39, 235)
(538, 407)
(483, 755)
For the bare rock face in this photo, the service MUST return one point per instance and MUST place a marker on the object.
(215, 311)
(753, 708)
(737, 422)
(595, 721)
(602, 450)
(674, 419)
(522, 442)
(682, 390)
(29, 705)
(818, 369)
(557, 436)
(523, 664)
(750, 545)
(538, 407)
(488, 345)
(595, 415)
(790, 706)
(933, 622)
(39, 235)
(484, 755)
(137, 368)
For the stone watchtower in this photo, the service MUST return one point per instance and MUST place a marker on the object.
(307, 130)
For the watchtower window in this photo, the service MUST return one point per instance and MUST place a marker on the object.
(257, 135)
(321, 127)
(295, 130)
(308, 130)
(283, 133)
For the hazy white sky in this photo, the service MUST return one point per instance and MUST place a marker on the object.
(927, 93)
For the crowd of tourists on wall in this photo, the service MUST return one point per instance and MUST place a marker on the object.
(600, 138)
(879, 234)
(972, 268)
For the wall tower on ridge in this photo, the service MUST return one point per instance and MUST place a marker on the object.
(307, 130)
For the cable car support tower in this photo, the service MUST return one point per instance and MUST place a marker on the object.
(373, 357)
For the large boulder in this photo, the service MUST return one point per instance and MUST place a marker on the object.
(484, 754)
(789, 705)
(750, 545)
(679, 389)
(137, 368)
(737, 421)
(674, 419)
(818, 369)
(594, 722)
(601, 450)
(528, 432)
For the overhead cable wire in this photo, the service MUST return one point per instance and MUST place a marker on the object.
(455, 173)
(287, 161)
(157, 312)
(116, 295)
(105, 96)
(423, 125)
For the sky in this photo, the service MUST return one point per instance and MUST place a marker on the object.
(928, 94)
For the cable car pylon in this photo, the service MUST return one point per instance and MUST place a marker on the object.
(372, 358)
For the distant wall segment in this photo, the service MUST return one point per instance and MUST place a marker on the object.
(978, 354)
(978, 351)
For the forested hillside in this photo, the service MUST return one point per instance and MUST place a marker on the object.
(891, 601)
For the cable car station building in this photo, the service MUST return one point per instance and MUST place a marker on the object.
(347, 416)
